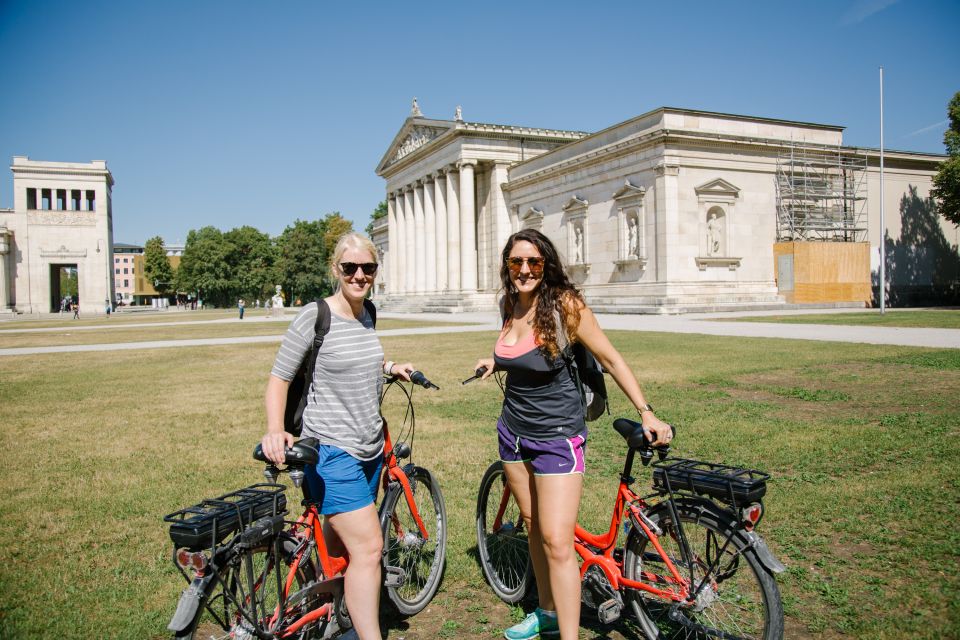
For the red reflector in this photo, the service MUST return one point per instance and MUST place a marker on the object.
(751, 515)
(191, 559)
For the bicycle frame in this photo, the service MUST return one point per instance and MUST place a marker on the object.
(585, 542)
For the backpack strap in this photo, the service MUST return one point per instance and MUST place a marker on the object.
(320, 330)
(371, 310)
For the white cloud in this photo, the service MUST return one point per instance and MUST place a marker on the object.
(863, 9)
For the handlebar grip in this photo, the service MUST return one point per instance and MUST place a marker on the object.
(417, 377)
(476, 374)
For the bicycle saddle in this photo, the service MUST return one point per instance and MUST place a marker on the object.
(303, 452)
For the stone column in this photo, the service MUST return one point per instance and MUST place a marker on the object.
(409, 248)
(420, 255)
(440, 207)
(500, 214)
(468, 230)
(430, 234)
(667, 214)
(4, 286)
(453, 229)
(394, 234)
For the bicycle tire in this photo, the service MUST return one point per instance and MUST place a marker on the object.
(230, 592)
(505, 553)
(744, 603)
(421, 560)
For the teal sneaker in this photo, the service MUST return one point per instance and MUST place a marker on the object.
(537, 624)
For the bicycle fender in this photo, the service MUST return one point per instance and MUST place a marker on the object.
(187, 607)
(766, 557)
(729, 522)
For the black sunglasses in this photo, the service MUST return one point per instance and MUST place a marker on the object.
(350, 268)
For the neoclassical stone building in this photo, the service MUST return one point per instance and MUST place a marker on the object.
(61, 222)
(674, 210)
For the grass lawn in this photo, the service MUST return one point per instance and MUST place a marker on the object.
(106, 333)
(928, 318)
(862, 442)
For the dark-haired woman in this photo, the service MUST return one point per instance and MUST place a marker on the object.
(541, 431)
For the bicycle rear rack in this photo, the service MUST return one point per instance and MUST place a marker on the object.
(731, 485)
(207, 523)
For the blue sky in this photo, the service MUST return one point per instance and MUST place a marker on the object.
(233, 113)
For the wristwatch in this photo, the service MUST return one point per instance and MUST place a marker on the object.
(646, 407)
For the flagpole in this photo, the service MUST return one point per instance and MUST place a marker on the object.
(883, 227)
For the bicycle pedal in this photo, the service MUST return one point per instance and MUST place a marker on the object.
(609, 612)
(394, 576)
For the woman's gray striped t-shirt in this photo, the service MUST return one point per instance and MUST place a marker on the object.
(343, 407)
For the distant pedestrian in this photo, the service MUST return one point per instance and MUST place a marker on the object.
(240, 305)
(109, 308)
(76, 311)
(257, 305)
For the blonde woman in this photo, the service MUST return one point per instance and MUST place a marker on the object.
(343, 414)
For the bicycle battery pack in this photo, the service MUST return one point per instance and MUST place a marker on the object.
(208, 523)
(733, 485)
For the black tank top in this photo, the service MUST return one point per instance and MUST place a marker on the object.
(541, 400)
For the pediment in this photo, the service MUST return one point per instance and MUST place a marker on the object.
(531, 214)
(415, 134)
(718, 187)
(629, 190)
(575, 203)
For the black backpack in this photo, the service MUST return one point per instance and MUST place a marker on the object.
(300, 385)
(586, 373)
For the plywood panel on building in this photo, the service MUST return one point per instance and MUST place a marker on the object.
(826, 272)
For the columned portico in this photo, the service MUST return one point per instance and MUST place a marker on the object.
(432, 168)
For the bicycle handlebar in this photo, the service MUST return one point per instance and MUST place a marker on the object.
(476, 375)
(417, 377)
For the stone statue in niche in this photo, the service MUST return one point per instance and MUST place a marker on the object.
(578, 244)
(714, 235)
(415, 108)
(633, 244)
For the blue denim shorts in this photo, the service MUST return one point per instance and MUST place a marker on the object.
(340, 483)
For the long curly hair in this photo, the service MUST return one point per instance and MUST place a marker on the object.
(555, 293)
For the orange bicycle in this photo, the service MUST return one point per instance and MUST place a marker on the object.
(260, 575)
(692, 565)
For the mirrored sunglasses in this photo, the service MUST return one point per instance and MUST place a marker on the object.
(350, 268)
(535, 265)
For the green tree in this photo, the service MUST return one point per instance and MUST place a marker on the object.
(946, 184)
(252, 257)
(204, 269)
(379, 212)
(156, 265)
(335, 226)
(302, 261)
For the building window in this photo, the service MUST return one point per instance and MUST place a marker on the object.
(116, 260)
(125, 261)
(75, 199)
(117, 271)
(91, 200)
(126, 283)
(124, 271)
(45, 199)
(61, 199)
(31, 198)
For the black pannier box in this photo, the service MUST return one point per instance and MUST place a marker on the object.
(208, 523)
(719, 481)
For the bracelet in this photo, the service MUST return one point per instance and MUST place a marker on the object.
(388, 367)
(646, 407)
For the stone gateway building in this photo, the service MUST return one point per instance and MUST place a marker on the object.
(60, 227)
(674, 210)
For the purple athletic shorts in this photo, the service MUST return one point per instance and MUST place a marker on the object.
(547, 457)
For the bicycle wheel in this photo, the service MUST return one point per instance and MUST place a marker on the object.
(246, 595)
(741, 599)
(421, 559)
(502, 542)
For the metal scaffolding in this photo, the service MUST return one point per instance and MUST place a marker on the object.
(821, 195)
